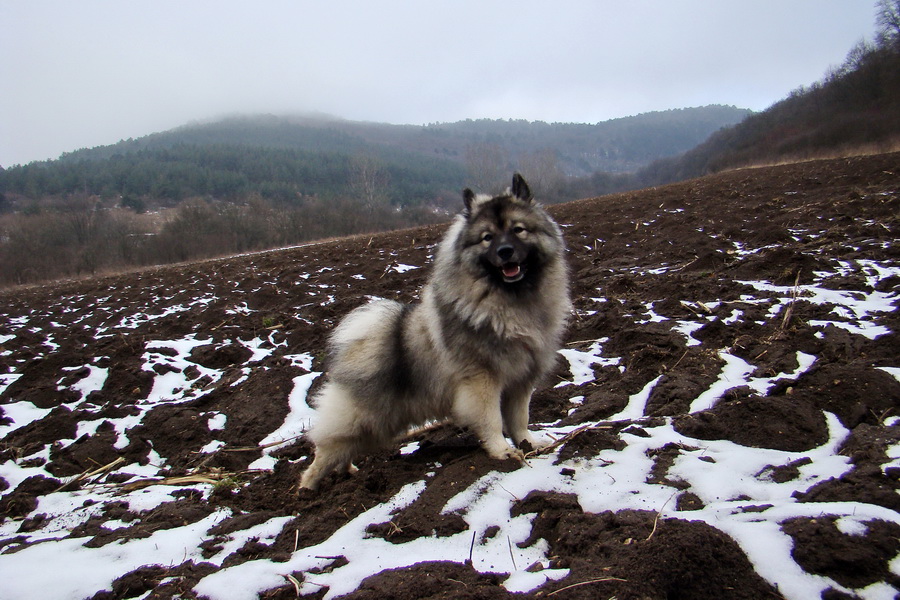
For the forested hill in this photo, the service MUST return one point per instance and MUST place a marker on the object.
(854, 108)
(288, 158)
(617, 145)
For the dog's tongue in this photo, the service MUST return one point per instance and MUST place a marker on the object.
(511, 270)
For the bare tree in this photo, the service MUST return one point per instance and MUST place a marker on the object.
(488, 167)
(80, 213)
(887, 20)
(369, 181)
(541, 169)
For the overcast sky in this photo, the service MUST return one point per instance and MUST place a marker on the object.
(85, 73)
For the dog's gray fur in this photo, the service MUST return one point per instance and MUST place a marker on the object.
(486, 331)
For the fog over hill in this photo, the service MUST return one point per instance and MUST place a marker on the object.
(617, 145)
(252, 182)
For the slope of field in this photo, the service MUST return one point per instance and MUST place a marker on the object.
(725, 411)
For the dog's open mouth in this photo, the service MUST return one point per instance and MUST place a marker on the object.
(512, 272)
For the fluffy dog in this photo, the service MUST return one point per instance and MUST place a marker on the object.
(485, 332)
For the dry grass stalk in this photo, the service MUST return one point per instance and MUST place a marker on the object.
(471, 549)
(263, 447)
(92, 473)
(789, 311)
(211, 477)
(511, 557)
(560, 441)
(658, 514)
(294, 582)
(588, 582)
(678, 362)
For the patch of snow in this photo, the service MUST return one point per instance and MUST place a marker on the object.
(22, 413)
(581, 363)
(86, 427)
(409, 448)
(636, 403)
(687, 328)
(893, 453)
(14, 474)
(734, 317)
(365, 555)
(866, 330)
(401, 268)
(859, 306)
(850, 526)
(94, 381)
(734, 374)
(174, 384)
(264, 532)
(303, 361)
(263, 463)
(211, 447)
(19, 322)
(261, 348)
(137, 319)
(240, 309)
(300, 415)
(653, 317)
(216, 421)
(79, 571)
(6, 380)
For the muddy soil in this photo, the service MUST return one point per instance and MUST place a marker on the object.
(683, 252)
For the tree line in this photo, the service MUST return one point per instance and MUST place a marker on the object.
(84, 235)
(106, 209)
(227, 172)
(184, 203)
(855, 105)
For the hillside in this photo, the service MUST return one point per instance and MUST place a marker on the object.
(250, 183)
(286, 158)
(854, 108)
(616, 145)
(725, 408)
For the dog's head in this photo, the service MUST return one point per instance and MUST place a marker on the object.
(508, 235)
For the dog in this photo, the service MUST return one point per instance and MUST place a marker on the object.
(486, 331)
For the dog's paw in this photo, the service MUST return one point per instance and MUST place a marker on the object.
(305, 493)
(507, 453)
(306, 485)
(538, 441)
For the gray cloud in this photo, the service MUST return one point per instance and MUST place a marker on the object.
(93, 72)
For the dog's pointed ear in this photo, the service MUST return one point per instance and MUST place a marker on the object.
(468, 198)
(521, 190)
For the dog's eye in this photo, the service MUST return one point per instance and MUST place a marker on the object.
(486, 237)
(518, 229)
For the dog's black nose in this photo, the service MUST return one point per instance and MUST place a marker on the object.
(505, 252)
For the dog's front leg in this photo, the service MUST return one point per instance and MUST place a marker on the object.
(514, 408)
(476, 405)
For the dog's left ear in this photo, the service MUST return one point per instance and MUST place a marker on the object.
(521, 190)
(468, 198)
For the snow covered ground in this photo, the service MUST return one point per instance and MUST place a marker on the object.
(53, 549)
(729, 478)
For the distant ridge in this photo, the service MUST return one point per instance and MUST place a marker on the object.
(287, 158)
(618, 145)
